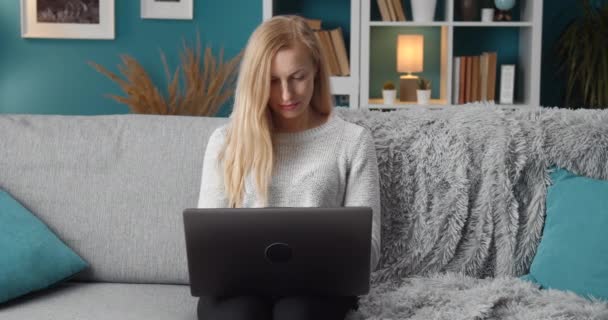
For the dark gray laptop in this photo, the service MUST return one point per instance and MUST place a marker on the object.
(278, 251)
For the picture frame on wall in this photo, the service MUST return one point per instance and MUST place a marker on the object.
(167, 9)
(68, 19)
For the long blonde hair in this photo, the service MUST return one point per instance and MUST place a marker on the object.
(248, 148)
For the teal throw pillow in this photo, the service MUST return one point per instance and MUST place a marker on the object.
(31, 256)
(573, 251)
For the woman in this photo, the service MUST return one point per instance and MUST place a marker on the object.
(284, 147)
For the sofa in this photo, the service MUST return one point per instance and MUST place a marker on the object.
(112, 188)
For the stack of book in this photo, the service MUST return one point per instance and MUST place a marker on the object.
(391, 10)
(474, 78)
(332, 48)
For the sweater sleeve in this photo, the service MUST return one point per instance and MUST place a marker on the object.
(363, 187)
(212, 193)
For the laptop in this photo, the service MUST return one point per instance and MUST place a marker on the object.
(278, 251)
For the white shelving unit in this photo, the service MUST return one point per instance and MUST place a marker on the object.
(348, 86)
(528, 60)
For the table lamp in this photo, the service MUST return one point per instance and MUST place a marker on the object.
(410, 58)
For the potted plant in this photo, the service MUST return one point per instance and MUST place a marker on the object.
(583, 58)
(389, 93)
(207, 82)
(424, 91)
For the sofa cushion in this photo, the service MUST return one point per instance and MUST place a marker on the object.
(31, 256)
(113, 187)
(572, 254)
(102, 301)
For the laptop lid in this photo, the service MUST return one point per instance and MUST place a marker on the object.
(278, 251)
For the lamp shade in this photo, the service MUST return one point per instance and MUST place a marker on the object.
(410, 53)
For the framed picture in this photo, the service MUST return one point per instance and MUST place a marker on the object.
(69, 19)
(166, 9)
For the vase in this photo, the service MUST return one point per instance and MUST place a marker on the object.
(423, 10)
(487, 14)
(389, 96)
(469, 9)
(424, 96)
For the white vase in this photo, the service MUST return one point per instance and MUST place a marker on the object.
(487, 14)
(423, 10)
(389, 96)
(424, 96)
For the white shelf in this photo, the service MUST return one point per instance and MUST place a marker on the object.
(491, 24)
(528, 59)
(435, 104)
(408, 24)
(357, 85)
(379, 104)
(343, 85)
(502, 106)
(448, 24)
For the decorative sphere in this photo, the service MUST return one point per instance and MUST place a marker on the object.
(504, 4)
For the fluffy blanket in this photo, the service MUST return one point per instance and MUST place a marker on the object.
(459, 297)
(463, 192)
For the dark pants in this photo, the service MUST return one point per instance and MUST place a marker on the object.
(275, 308)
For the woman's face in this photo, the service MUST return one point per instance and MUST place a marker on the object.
(291, 84)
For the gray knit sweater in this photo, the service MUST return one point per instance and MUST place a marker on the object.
(331, 165)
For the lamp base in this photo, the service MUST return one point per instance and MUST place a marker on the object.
(407, 88)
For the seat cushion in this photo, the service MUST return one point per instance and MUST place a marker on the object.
(97, 301)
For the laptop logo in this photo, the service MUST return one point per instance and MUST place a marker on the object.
(278, 252)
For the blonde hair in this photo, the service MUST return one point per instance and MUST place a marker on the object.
(248, 148)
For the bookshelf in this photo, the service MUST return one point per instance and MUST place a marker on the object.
(348, 11)
(516, 42)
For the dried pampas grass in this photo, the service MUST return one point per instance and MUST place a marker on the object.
(208, 84)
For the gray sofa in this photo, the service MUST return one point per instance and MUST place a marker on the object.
(113, 189)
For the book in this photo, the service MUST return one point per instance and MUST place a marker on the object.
(314, 24)
(507, 83)
(492, 61)
(383, 10)
(331, 52)
(456, 80)
(469, 83)
(484, 77)
(399, 10)
(326, 51)
(340, 50)
(463, 80)
(475, 81)
(391, 10)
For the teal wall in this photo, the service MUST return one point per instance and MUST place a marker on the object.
(51, 76)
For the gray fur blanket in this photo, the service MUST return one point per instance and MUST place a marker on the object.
(459, 297)
(463, 192)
